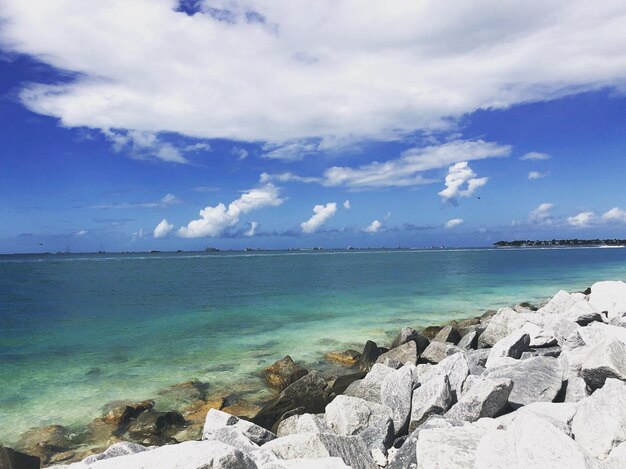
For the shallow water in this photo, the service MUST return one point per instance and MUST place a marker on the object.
(78, 331)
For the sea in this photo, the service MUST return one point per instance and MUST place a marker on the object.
(79, 331)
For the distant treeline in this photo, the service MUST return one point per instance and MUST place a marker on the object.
(562, 242)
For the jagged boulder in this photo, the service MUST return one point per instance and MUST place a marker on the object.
(304, 423)
(437, 351)
(606, 360)
(558, 304)
(217, 419)
(396, 392)
(609, 296)
(396, 357)
(370, 354)
(448, 334)
(283, 373)
(408, 334)
(502, 324)
(369, 387)
(469, 341)
(486, 398)
(510, 347)
(443, 448)
(430, 398)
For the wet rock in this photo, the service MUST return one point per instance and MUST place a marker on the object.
(308, 395)
(431, 398)
(510, 347)
(600, 422)
(154, 427)
(44, 442)
(217, 419)
(370, 354)
(349, 416)
(408, 334)
(448, 334)
(351, 449)
(606, 360)
(122, 414)
(345, 357)
(486, 398)
(181, 395)
(242, 408)
(431, 331)
(305, 423)
(396, 357)
(283, 373)
(534, 380)
(437, 351)
(198, 410)
(469, 341)
(11, 459)
(396, 392)
(609, 296)
(369, 387)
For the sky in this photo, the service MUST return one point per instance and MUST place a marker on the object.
(161, 124)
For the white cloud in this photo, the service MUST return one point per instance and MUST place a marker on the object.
(215, 220)
(162, 229)
(583, 219)
(251, 231)
(166, 201)
(321, 214)
(460, 175)
(139, 234)
(541, 215)
(330, 69)
(81, 232)
(454, 223)
(615, 215)
(286, 177)
(536, 175)
(240, 153)
(373, 227)
(535, 155)
(142, 145)
(347, 205)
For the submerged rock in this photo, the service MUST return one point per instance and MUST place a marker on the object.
(180, 395)
(11, 459)
(283, 373)
(44, 442)
(346, 357)
(154, 427)
(123, 413)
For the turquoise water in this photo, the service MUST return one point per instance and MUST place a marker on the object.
(79, 331)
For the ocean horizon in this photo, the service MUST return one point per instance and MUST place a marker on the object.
(81, 331)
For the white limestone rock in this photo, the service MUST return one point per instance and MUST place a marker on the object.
(307, 463)
(559, 303)
(457, 369)
(609, 296)
(505, 321)
(511, 346)
(304, 423)
(437, 351)
(396, 392)
(606, 360)
(216, 419)
(368, 388)
(396, 357)
(486, 398)
(448, 448)
(431, 398)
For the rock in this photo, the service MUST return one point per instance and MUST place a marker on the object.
(181, 395)
(396, 392)
(617, 458)
(241, 408)
(349, 416)
(307, 463)
(196, 413)
(308, 394)
(346, 357)
(369, 387)
(448, 448)
(44, 442)
(606, 360)
(437, 351)
(486, 398)
(216, 419)
(469, 341)
(155, 427)
(609, 296)
(396, 357)
(576, 389)
(11, 459)
(502, 324)
(619, 321)
(559, 303)
(370, 354)
(339, 384)
(582, 313)
(534, 380)
(351, 449)
(431, 398)
(188, 455)
(431, 331)
(283, 373)
(600, 422)
(122, 448)
(457, 369)
(408, 334)
(122, 414)
(476, 360)
(448, 334)
(304, 423)
(511, 346)
(231, 436)
(529, 442)
(559, 414)
(554, 352)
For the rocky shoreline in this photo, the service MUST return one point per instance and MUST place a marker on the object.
(518, 387)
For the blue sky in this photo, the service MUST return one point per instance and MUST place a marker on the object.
(117, 119)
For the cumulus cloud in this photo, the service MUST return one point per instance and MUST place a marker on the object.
(215, 220)
(347, 205)
(143, 145)
(615, 215)
(542, 214)
(347, 70)
(162, 229)
(373, 227)
(461, 181)
(536, 175)
(535, 156)
(321, 214)
(454, 223)
(581, 220)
